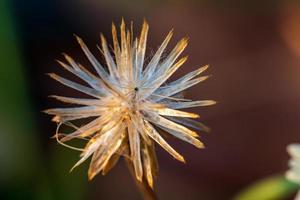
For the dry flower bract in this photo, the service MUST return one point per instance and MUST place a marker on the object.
(130, 104)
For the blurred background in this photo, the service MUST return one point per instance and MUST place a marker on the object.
(253, 48)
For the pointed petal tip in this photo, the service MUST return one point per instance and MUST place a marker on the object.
(102, 37)
(45, 111)
(205, 67)
(50, 74)
(80, 41)
(139, 178)
(185, 58)
(194, 134)
(170, 34)
(202, 69)
(208, 102)
(77, 38)
(203, 78)
(53, 137)
(195, 115)
(53, 75)
(67, 57)
(145, 23)
(151, 185)
(113, 26)
(122, 22)
(199, 145)
(56, 119)
(53, 96)
(71, 170)
(91, 175)
(186, 39)
(182, 160)
(49, 111)
(58, 61)
(64, 54)
(64, 65)
(213, 102)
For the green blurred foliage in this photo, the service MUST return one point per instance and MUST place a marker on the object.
(272, 188)
(17, 148)
(25, 170)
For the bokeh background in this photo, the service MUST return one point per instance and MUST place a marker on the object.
(253, 48)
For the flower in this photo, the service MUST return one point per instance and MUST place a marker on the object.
(131, 104)
(293, 174)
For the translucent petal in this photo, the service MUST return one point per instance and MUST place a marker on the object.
(99, 143)
(114, 158)
(98, 67)
(153, 159)
(86, 130)
(76, 86)
(174, 89)
(168, 62)
(151, 67)
(66, 118)
(147, 167)
(103, 123)
(137, 122)
(140, 52)
(105, 151)
(190, 75)
(124, 53)
(117, 50)
(150, 130)
(184, 137)
(175, 113)
(73, 111)
(163, 77)
(134, 141)
(190, 123)
(111, 84)
(82, 73)
(180, 105)
(109, 60)
(80, 101)
(150, 164)
(156, 119)
(91, 147)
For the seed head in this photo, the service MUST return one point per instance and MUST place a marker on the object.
(131, 104)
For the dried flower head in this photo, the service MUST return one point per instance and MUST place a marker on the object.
(131, 104)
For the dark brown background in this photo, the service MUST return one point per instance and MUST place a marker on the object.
(253, 48)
